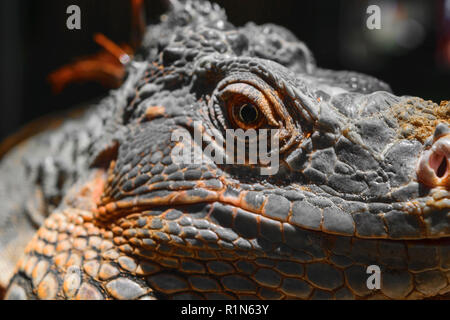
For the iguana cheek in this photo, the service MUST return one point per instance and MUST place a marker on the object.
(434, 165)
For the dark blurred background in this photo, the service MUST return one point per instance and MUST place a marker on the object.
(411, 51)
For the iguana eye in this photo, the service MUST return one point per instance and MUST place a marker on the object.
(245, 114)
(244, 101)
(248, 113)
(245, 105)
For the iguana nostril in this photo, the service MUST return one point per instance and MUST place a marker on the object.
(442, 169)
(434, 167)
(248, 113)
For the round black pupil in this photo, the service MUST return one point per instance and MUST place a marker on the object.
(248, 113)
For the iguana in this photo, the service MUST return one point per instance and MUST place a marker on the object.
(362, 188)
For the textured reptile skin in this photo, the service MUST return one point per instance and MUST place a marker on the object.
(122, 220)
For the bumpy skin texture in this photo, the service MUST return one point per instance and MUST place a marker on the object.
(126, 222)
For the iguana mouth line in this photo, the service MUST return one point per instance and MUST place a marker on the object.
(423, 210)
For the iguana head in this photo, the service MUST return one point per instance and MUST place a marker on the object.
(350, 176)
(354, 159)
